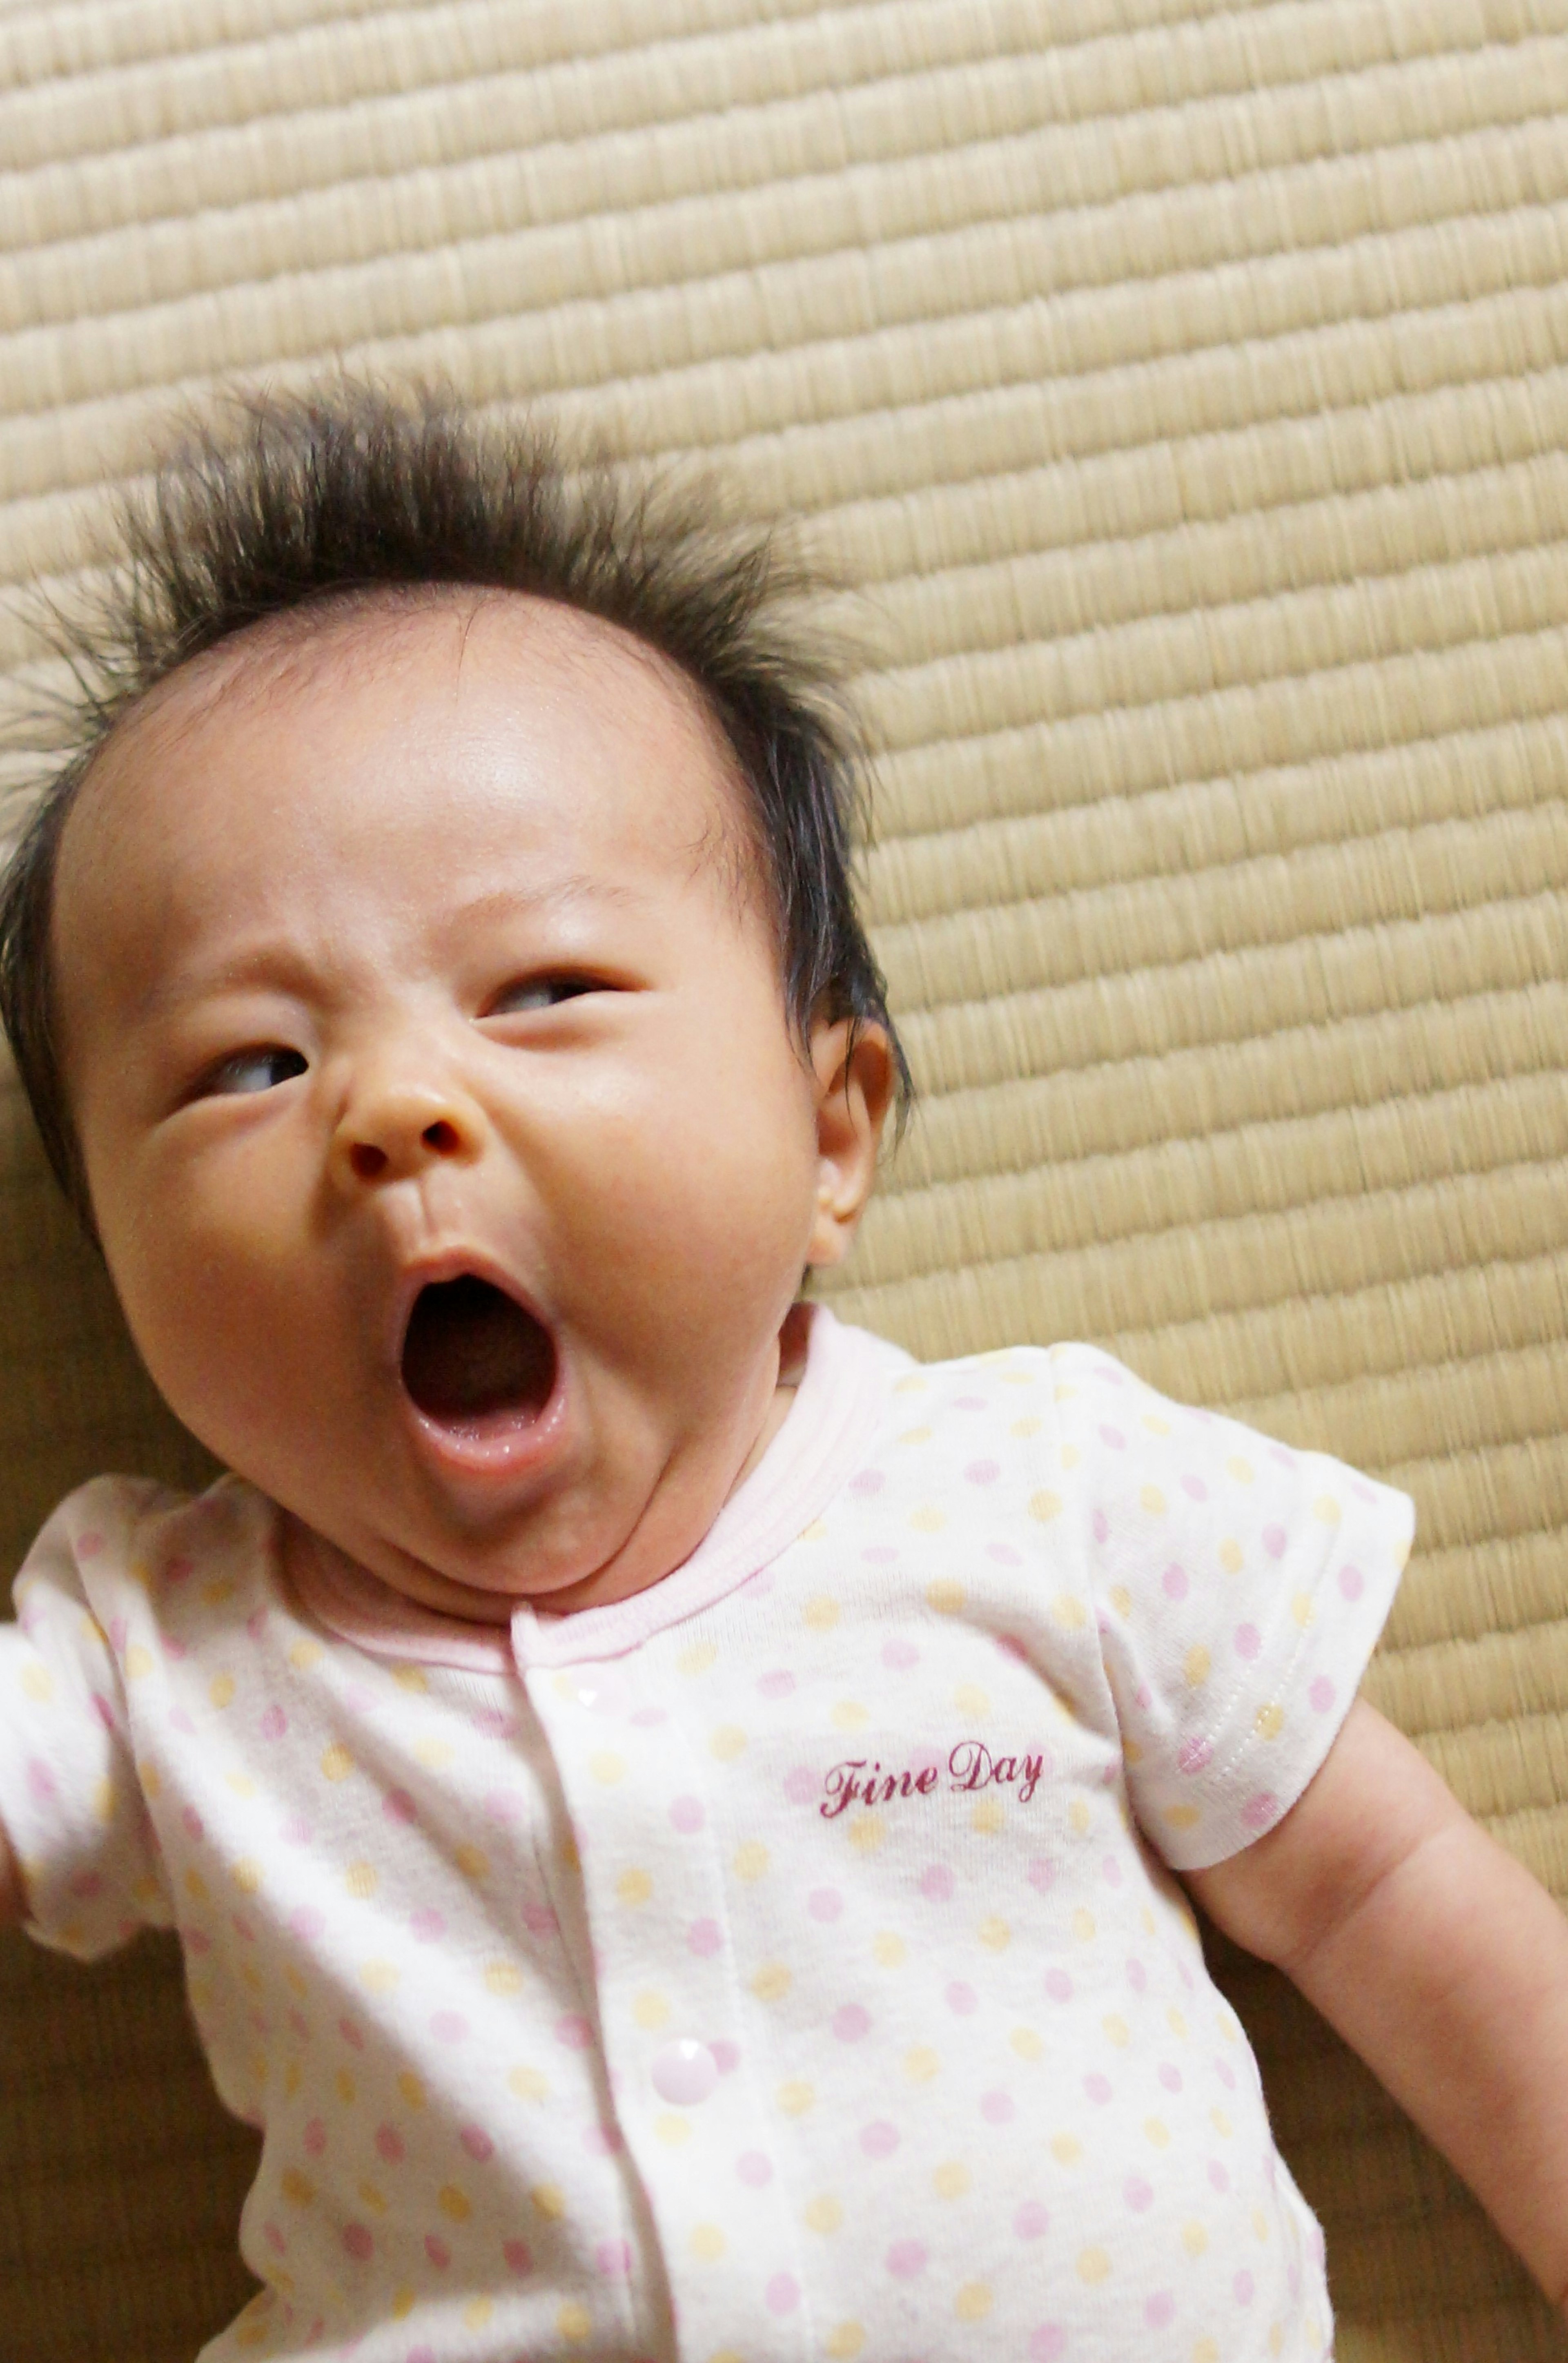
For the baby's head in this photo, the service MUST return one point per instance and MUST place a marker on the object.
(435, 975)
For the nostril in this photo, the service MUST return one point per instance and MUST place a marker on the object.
(441, 1137)
(366, 1159)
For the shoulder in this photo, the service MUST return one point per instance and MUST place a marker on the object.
(116, 1530)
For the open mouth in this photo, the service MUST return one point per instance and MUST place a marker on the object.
(472, 1357)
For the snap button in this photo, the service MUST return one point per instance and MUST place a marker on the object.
(684, 2072)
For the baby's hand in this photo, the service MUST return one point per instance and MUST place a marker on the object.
(1436, 1955)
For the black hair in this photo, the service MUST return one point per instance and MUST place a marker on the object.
(284, 503)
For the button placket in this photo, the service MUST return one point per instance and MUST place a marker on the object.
(669, 2008)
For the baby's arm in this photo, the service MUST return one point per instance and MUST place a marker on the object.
(1438, 1959)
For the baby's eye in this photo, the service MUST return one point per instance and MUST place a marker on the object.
(539, 992)
(253, 1071)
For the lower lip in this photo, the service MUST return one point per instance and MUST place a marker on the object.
(500, 1446)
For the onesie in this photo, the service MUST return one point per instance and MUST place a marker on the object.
(783, 1963)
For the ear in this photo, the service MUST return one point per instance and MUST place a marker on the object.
(853, 1070)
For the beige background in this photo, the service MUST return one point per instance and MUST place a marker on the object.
(1181, 388)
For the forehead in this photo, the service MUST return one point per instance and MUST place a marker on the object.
(414, 739)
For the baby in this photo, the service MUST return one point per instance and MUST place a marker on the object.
(670, 1807)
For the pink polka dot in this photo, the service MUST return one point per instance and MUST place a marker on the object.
(1282, 1453)
(1159, 2309)
(40, 1780)
(1058, 1985)
(300, 2023)
(1142, 1696)
(1248, 1641)
(824, 1903)
(983, 1473)
(1172, 1583)
(1194, 1754)
(937, 1883)
(997, 2108)
(647, 1717)
(800, 1786)
(295, 1831)
(519, 2256)
(539, 1920)
(1321, 1694)
(704, 1939)
(104, 1711)
(1226, 2074)
(603, 2141)
(1047, 2343)
(358, 2241)
(879, 2139)
(1244, 2287)
(572, 2031)
(420, 2355)
(1274, 1541)
(307, 1924)
(399, 1806)
(390, 2144)
(851, 2024)
(1137, 2194)
(866, 1480)
(275, 2239)
(614, 2259)
(726, 2056)
(962, 1998)
(437, 2251)
(1352, 1583)
(314, 2137)
(1097, 2087)
(477, 2142)
(180, 1569)
(687, 1815)
(1260, 1811)
(1170, 2076)
(1114, 1438)
(1101, 1526)
(352, 2033)
(180, 1722)
(906, 2259)
(776, 1684)
(191, 1823)
(1218, 2176)
(970, 1402)
(899, 1656)
(274, 1723)
(879, 1555)
(1004, 1554)
(89, 1544)
(783, 2293)
(428, 1927)
(754, 2170)
(1031, 2221)
(1042, 1873)
(451, 2027)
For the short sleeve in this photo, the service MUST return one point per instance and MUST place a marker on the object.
(1240, 1586)
(70, 1798)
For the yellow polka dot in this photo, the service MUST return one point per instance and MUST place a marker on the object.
(573, 2321)
(994, 1932)
(413, 2091)
(950, 2181)
(1117, 2030)
(751, 1859)
(1194, 2239)
(672, 2130)
(796, 2096)
(1221, 2123)
(1025, 1427)
(867, 1832)
(306, 1654)
(250, 1977)
(139, 1664)
(103, 1802)
(410, 1677)
(1120, 1600)
(920, 2064)
(1327, 1510)
(1093, 2265)
(699, 1658)
(887, 1949)
(1182, 1817)
(37, 1680)
(361, 1879)
(433, 1754)
(1156, 1424)
(295, 1982)
(1080, 1817)
(1176, 2023)
(1156, 2131)
(247, 1876)
(1241, 1471)
(823, 2214)
(1277, 2339)
(945, 1593)
(772, 1981)
(915, 1436)
(973, 2301)
(294, 2077)
(240, 1784)
(1195, 1665)
(151, 1779)
(476, 2312)
(844, 2341)
(928, 1519)
(633, 1887)
(549, 2201)
(219, 1589)
(1026, 2042)
(1045, 1505)
(850, 1715)
(1302, 1609)
(1260, 2224)
(343, 2085)
(971, 1701)
(607, 1768)
(527, 2084)
(297, 2188)
(913, 1386)
(1131, 1752)
(336, 1763)
(404, 2304)
(374, 2200)
(988, 1816)
(472, 1861)
(815, 1533)
(454, 2203)
(727, 1743)
(196, 1887)
(1153, 1501)
(1207, 2349)
(502, 1978)
(1069, 1456)
(1230, 1556)
(1083, 1924)
(1069, 1612)
(651, 2011)
(1066, 2149)
(821, 1613)
(1269, 1722)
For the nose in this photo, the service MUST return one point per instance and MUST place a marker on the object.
(396, 1126)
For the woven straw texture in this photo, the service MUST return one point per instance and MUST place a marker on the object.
(1181, 388)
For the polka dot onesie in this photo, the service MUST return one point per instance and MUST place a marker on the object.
(782, 1964)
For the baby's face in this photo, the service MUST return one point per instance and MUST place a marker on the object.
(450, 1149)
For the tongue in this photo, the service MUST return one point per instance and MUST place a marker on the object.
(470, 1351)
